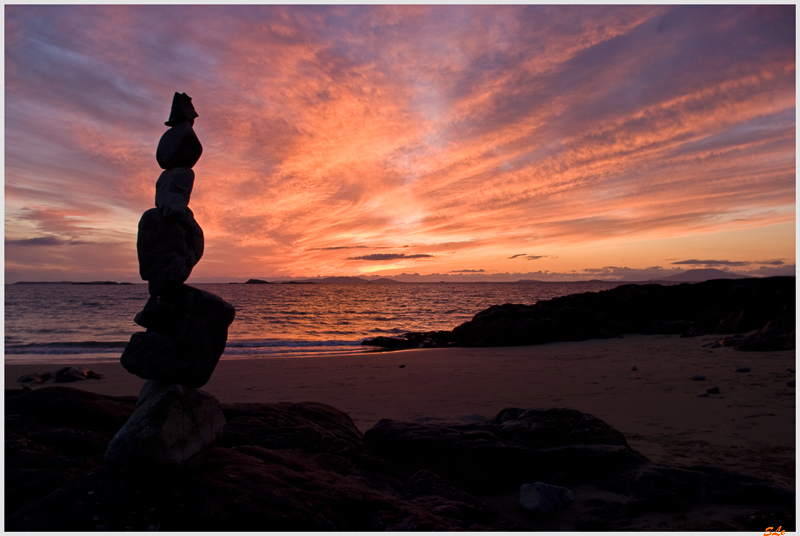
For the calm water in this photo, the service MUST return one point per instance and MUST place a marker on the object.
(63, 322)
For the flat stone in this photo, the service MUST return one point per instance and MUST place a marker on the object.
(713, 390)
(179, 147)
(168, 249)
(541, 498)
(742, 369)
(698, 377)
(171, 424)
(173, 190)
(185, 337)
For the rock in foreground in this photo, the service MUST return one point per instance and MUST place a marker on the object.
(306, 467)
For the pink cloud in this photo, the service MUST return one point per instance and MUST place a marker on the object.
(483, 126)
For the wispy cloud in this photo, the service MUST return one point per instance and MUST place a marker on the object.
(45, 241)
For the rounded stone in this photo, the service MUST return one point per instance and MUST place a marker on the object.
(179, 147)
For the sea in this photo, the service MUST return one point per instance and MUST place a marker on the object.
(69, 323)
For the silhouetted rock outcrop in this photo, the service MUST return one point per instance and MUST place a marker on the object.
(711, 307)
(306, 467)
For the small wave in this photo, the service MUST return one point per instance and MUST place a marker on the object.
(52, 330)
(273, 343)
(84, 347)
(389, 330)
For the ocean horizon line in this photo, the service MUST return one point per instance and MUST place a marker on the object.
(694, 275)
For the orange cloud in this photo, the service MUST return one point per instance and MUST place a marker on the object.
(465, 131)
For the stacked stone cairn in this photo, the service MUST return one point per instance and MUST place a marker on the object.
(186, 327)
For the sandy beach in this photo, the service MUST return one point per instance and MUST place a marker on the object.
(748, 427)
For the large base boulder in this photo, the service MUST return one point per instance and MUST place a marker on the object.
(185, 337)
(171, 424)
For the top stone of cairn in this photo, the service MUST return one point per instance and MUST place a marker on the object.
(182, 110)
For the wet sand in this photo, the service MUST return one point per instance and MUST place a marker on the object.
(748, 427)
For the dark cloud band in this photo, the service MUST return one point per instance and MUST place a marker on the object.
(388, 257)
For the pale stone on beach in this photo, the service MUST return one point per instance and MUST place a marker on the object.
(179, 147)
(173, 190)
(171, 424)
(541, 498)
(168, 249)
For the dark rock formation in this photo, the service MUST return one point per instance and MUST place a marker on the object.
(517, 447)
(711, 307)
(778, 334)
(185, 337)
(186, 328)
(306, 467)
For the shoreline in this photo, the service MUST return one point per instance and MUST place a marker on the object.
(748, 427)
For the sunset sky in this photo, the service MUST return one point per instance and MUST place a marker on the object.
(470, 142)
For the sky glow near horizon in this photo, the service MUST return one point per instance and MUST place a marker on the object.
(548, 141)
